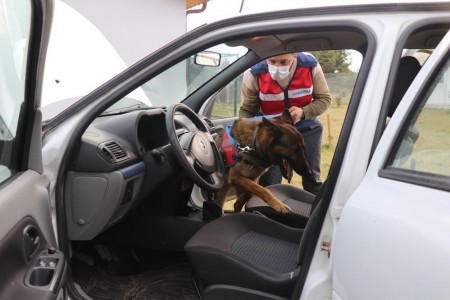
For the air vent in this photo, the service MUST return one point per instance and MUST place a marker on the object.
(113, 151)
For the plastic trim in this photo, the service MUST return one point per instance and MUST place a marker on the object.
(133, 170)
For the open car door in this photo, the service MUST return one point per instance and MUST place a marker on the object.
(392, 239)
(32, 265)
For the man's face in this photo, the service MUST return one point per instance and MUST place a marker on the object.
(281, 60)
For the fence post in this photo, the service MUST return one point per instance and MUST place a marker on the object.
(330, 137)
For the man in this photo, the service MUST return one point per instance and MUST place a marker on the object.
(295, 81)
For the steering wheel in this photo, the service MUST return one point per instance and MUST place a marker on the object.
(195, 150)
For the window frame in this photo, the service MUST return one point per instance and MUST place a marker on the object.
(16, 152)
(435, 181)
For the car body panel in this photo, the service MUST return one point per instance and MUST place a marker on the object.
(391, 241)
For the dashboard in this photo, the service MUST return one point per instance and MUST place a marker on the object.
(119, 160)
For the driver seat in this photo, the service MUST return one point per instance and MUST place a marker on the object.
(300, 201)
(248, 256)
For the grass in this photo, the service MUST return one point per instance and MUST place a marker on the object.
(341, 86)
(431, 150)
(332, 121)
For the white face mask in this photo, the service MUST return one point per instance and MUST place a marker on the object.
(278, 73)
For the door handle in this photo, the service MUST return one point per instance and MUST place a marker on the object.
(31, 240)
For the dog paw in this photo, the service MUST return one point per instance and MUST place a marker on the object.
(283, 208)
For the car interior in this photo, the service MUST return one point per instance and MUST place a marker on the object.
(131, 224)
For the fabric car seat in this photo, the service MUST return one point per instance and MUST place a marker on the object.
(301, 203)
(249, 256)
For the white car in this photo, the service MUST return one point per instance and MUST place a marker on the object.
(102, 201)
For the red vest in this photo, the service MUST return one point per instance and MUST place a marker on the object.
(272, 96)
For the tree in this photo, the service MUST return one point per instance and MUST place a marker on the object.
(333, 61)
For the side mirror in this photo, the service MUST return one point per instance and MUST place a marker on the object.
(207, 58)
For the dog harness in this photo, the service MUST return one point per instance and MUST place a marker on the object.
(230, 148)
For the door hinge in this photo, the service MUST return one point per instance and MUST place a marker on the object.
(337, 210)
(326, 245)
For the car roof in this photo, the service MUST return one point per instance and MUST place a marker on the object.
(332, 36)
(220, 10)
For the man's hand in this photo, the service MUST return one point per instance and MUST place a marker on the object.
(296, 113)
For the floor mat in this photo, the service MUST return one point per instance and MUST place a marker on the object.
(173, 282)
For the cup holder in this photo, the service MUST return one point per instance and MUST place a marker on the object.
(41, 276)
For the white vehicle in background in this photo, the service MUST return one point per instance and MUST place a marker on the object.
(96, 201)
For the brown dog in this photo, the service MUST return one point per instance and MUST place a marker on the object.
(261, 144)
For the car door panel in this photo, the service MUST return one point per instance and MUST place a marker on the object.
(25, 228)
(392, 239)
(32, 267)
(400, 243)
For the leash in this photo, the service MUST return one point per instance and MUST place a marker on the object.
(259, 118)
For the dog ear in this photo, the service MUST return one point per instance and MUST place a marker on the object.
(286, 117)
(273, 128)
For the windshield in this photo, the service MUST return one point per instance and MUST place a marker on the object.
(179, 81)
(15, 29)
(15, 26)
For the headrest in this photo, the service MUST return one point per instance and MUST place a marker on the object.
(407, 71)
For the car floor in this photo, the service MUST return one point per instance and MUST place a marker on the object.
(121, 273)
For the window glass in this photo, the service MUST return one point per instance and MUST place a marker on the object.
(15, 25)
(228, 100)
(340, 68)
(425, 146)
(181, 80)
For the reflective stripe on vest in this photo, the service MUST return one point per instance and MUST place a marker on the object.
(272, 95)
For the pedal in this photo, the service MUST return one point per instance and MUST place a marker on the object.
(85, 258)
(103, 252)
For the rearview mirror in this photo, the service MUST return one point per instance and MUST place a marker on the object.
(207, 58)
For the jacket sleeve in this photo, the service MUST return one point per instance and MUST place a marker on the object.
(250, 94)
(321, 95)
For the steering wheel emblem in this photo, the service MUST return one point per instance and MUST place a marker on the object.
(202, 144)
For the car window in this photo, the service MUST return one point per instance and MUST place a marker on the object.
(15, 25)
(228, 100)
(181, 80)
(340, 82)
(340, 67)
(425, 145)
